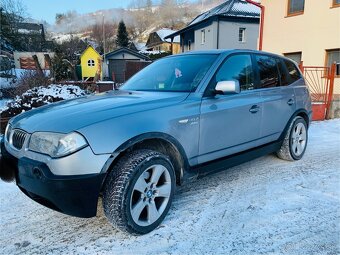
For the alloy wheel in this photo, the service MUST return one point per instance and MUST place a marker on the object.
(150, 195)
(298, 139)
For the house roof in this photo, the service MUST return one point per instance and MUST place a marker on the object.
(230, 8)
(127, 50)
(164, 32)
(89, 46)
(29, 27)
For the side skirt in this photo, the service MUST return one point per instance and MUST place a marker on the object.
(235, 159)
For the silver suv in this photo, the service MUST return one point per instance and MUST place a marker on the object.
(180, 118)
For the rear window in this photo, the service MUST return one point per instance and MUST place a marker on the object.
(294, 73)
(268, 72)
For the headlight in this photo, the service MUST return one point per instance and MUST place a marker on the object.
(55, 144)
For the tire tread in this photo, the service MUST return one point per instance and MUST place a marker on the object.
(115, 188)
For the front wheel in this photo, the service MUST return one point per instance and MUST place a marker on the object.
(138, 191)
(295, 142)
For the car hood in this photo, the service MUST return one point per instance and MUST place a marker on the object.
(70, 115)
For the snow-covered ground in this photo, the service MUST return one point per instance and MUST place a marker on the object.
(39, 96)
(266, 206)
(3, 103)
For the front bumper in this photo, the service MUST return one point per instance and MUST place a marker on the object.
(75, 195)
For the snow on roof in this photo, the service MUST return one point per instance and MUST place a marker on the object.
(140, 46)
(164, 32)
(231, 8)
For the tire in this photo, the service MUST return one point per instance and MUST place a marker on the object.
(295, 142)
(138, 191)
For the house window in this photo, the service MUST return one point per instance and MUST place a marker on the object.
(242, 34)
(336, 3)
(295, 56)
(203, 36)
(295, 7)
(91, 62)
(189, 45)
(333, 56)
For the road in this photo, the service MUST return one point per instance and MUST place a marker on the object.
(266, 206)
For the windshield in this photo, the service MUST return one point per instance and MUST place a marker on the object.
(177, 74)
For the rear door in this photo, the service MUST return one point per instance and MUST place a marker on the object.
(230, 123)
(278, 97)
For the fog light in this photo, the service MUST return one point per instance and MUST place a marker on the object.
(37, 173)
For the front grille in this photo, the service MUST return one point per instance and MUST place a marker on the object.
(18, 138)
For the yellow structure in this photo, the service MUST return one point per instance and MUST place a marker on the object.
(90, 61)
(304, 30)
(176, 48)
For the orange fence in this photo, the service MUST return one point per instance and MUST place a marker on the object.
(320, 81)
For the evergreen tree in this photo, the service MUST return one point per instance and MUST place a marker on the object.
(59, 66)
(122, 35)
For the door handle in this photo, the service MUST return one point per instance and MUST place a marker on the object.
(290, 102)
(254, 109)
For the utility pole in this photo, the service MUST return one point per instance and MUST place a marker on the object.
(103, 59)
(103, 37)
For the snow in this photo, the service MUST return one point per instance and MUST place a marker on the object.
(61, 91)
(27, 31)
(150, 52)
(264, 206)
(42, 95)
(140, 46)
(3, 103)
(7, 83)
(162, 33)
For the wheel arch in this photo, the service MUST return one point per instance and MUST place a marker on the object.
(157, 141)
(300, 112)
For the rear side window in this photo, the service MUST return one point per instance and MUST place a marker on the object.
(268, 71)
(284, 78)
(294, 73)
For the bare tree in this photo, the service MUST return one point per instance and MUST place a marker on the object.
(11, 13)
(104, 32)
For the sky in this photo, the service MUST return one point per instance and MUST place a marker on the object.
(47, 9)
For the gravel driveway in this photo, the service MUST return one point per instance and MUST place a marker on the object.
(266, 206)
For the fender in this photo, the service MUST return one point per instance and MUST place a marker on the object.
(147, 136)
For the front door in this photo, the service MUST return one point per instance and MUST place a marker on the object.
(230, 123)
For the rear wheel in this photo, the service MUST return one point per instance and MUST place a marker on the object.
(295, 142)
(138, 191)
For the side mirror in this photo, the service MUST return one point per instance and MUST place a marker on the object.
(228, 87)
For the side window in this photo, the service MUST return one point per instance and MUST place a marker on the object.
(237, 67)
(268, 72)
(284, 79)
(292, 70)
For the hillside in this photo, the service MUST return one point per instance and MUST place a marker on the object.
(140, 21)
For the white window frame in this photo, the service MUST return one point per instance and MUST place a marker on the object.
(242, 34)
(203, 36)
(91, 63)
